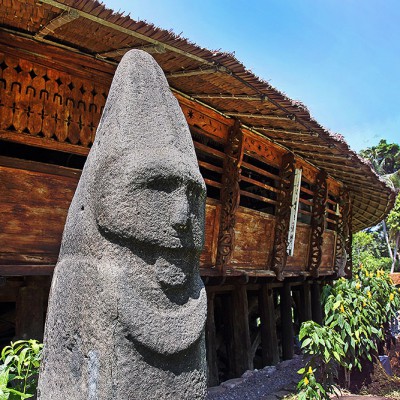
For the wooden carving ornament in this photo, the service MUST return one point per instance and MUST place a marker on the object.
(318, 223)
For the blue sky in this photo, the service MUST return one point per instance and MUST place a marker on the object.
(341, 58)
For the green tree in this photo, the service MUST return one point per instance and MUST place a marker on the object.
(393, 221)
(385, 158)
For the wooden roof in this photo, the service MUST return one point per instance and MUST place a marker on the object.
(213, 78)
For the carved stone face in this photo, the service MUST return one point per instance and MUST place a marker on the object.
(157, 204)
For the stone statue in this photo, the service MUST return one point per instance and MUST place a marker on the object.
(127, 306)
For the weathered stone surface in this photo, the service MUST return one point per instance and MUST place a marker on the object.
(127, 307)
(231, 383)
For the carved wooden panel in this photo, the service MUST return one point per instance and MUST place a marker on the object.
(253, 244)
(317, 223)
(298, 262)
(343, 242)
(279, 257)
(328, 252)
(40, 101)
(263, 149)
(308, 172)
(230, 196)
(204, 121)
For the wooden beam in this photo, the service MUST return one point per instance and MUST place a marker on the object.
(30, 311)
(258, 116)
(286, 132)
(229, 97)
(194, 72)
(44, 143)
(52, 169)
(305, 302)
(151, 49)
(241, 331)
(316, 305)
(269, 340)
(26, 270)
(58, 22)
(309, 154)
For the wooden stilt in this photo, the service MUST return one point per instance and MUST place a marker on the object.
(212, 365)
(305, 303)
(316, 305)
(30, 312)
(287, 323)
(240, 331)
(269, 340)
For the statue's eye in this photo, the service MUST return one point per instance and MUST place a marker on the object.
(162, 184)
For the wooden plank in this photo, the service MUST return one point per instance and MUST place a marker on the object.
(33, 208)
(299, 260)
(269, 339)
(253, 244)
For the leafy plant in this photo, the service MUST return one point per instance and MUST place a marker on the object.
(325, 348)
(19, 369)
(356, 314)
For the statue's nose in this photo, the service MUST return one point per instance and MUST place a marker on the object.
(180, 213)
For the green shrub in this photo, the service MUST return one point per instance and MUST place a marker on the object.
(356, 313)
(19, 369)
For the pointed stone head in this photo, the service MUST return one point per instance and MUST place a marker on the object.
(148, 185)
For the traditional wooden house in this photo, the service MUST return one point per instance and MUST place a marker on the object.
(284, 195)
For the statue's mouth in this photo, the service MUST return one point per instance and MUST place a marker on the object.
(171, 274)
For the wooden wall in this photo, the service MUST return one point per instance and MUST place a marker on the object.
(53, 102)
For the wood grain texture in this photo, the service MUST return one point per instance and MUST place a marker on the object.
(298, 262)
(254, 232)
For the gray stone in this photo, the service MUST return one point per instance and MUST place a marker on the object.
(216, 389)
(231, 383)
(127, 307)
(247, 374)
(270, 369)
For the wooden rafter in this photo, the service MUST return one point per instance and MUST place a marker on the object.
(199, 71)
(259, 116)
(63, 19)
(151, 49)
(229, 97)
